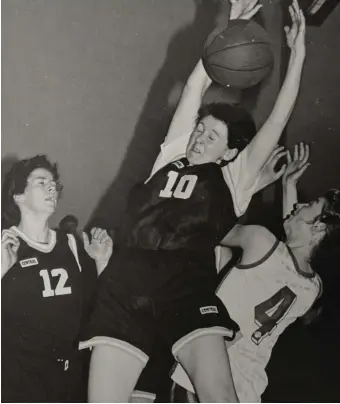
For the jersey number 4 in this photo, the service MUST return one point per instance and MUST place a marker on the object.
(182, 190)
(270, 312)
(60, 289)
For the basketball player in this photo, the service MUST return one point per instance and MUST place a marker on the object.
(45, 290)
(162, 279)
(274, 283)
(154, 380)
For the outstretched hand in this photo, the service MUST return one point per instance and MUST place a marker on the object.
(244, 9)
(101, 245)
(297, 165)
(295, 34)
(268, 175)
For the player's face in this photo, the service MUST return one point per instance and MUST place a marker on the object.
(208, 142)
(303, 217)
(41, 195)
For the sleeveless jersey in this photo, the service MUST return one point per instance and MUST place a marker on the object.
(167, 241)
(181, 207)
(264, 299)
(42, 296)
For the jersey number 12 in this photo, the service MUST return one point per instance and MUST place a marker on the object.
(60, 289)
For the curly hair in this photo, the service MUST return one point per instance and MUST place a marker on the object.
(15, 183)
(241, 125)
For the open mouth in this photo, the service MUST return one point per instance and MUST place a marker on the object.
(292, 213)
(51, 199)
(195, 149)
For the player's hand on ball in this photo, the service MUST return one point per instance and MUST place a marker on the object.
(100, 246)
(9, 249)
(296, 33)
(268, 175)
(244, 9)
(297, 165)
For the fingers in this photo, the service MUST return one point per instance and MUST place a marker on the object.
(289, 157)
(278, 156)
(292, 15)
(296, 9)
(296, 153)
(280, 173)
(100, 235)
(275, 152)
(302, 27)
(306, 154)
(250, 14)
(301, 153)
(86, 240)
(250, 5)
(301, 170)
(8, 237)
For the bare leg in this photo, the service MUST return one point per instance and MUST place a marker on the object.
(206, 361)
(113, 374)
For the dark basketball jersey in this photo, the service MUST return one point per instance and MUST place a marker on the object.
(174, 222)
(43, 298)
(181, 207)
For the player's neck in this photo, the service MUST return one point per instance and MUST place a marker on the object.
(36, 229)
(302, 254)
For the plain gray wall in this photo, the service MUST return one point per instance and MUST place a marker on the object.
(93, 84)
(316, 118)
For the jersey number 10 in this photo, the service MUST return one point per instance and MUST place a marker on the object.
(183, 188)
(60, 289)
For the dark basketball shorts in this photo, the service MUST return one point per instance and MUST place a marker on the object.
(27, 377)
(135, 323)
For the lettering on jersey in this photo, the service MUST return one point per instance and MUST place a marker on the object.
(178, 164)
(270, 312)
(60, 289)
(208, 310)
(183, 189)
(29, 262)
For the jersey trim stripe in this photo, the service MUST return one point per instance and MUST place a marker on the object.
(215, 330)
(45, 248)
(143, 394)
(260, 261)
(73, 247)
(116, 343)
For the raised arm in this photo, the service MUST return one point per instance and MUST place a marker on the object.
(268, 175)
(198, 82)
(295, 168)
(268, 136)
(183, 120)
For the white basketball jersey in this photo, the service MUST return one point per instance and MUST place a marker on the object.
(264, 299)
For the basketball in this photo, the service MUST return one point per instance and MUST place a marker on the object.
(238, 56)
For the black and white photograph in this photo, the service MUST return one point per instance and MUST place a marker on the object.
(170, 201)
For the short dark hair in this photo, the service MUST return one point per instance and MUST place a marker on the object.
(329, 245)
(15, 183)
(68, 224)
(241, 125)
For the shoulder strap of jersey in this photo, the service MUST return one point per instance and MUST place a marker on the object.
(73, 247)
(261, 260)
